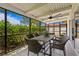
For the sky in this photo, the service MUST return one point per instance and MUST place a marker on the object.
(13, 18)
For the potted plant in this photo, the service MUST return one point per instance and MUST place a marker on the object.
(46, 34)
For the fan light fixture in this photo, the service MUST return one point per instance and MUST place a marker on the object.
(50, 17)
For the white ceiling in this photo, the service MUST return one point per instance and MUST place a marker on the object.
(39, 10)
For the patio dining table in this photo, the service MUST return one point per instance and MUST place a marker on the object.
(44, 39)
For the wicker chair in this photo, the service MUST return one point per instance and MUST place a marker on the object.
(35, 47)
(59, 43)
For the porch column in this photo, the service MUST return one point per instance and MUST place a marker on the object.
(70, 22)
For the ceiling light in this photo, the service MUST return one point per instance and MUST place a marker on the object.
(50, 17)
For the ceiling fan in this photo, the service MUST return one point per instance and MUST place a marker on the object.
(55, 16)
(51, 17)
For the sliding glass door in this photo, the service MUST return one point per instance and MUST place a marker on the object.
(50, 28)
(77, 28)
(63, 26)
(56, 28)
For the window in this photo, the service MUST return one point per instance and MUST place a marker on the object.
(63, 27)
(56, 28)
(17, 28)
(47, 27)
(25, 22)
(43, 27)
(2, 30)
(77, 29)
(51, 28)
(34, 26)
